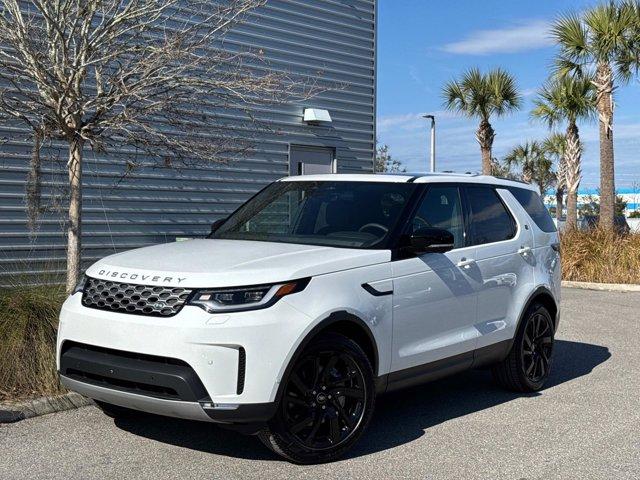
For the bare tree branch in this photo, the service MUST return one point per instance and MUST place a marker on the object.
(156, 76)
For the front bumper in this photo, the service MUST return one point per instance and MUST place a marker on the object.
(240, 414)
(237, 359)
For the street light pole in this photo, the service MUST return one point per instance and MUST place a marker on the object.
(433, 141)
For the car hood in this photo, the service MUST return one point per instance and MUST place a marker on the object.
(207, 263)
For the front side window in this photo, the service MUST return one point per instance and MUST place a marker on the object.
(441, 207)
(332, 213)
(490, 220)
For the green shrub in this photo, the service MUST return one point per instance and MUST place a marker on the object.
(28, 327)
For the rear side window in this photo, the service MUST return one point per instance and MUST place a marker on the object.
(490, 220)
(532, 203)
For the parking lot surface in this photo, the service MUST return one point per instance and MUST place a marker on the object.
(584, 425)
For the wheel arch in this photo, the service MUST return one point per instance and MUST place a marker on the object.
(543, 295)
(344, 323)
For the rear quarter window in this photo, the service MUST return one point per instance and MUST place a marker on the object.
(490, 220)
(534, 206)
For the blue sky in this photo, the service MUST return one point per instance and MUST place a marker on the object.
(424, 43)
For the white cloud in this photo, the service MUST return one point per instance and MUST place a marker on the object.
(398, 122)
(531, 35)
(408, 122)
(457, 149)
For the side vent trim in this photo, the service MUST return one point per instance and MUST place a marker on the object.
(375, 292)
(242, 366)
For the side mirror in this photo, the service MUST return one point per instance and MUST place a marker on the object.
(430, 240)
(217, 224)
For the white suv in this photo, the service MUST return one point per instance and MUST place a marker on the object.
(314, 296)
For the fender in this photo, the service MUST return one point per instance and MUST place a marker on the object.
(497, 352)
(335, 317)
(542, 289)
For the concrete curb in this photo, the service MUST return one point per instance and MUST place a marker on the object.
(15, 412)
(610, 287)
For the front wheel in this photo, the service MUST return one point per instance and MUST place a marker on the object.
(527, 367)
(327, 402)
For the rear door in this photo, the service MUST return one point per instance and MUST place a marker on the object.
(503, 239)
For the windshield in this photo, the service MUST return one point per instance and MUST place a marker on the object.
(339, 214)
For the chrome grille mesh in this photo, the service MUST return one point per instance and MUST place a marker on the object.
(138, 299)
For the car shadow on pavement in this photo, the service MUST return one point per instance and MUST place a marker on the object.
(400, 417)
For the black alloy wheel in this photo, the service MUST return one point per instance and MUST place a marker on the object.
(537, 348)
(528, 364)
(324, 400)
(327, 402)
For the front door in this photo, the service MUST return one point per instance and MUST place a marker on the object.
(307, 160)
(434, 299)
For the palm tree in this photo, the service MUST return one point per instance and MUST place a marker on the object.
(481, 96)
(555, 146)
(535, 165)
(603, 42)
(502, 170)
(567, 100)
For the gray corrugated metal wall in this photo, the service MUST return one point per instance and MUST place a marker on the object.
(335, 37)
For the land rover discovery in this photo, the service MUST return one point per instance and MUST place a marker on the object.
(313, 297)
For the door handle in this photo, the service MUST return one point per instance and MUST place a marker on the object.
(466, 263)
(524, 251)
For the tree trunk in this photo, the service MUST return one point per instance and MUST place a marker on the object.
(572, 210)
(74, 231)
(485, 136)
(573, 174)
(561, 184)
(604, 85)
(559, 202)
(34, 184)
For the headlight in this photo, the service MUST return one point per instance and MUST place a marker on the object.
(244, 298)
(82, 280)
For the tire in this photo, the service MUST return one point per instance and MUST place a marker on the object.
(527, 366)
(114, 411)
(315, 424)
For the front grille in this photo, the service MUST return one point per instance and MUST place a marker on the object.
(137, 299)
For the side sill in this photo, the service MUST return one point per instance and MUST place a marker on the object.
(443, 368)
(429, 372)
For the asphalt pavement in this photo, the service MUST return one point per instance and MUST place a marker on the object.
(584, 425)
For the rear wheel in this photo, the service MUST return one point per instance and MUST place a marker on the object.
(327, 402)
(528, 364)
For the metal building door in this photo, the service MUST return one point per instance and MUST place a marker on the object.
(304, 160)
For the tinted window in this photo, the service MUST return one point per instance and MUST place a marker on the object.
(532, 203)
(340, 214)
(490, 220)
(441, 208)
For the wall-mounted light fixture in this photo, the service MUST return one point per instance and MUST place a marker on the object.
(316, 116)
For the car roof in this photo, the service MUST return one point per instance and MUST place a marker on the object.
(444, 177)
